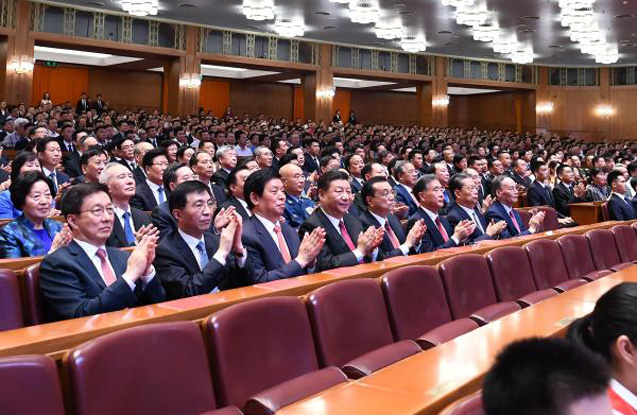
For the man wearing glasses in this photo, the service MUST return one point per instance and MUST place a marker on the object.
(86, 277)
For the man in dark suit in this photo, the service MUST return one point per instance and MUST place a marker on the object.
(98, 105)
(347, 243)
(443, 174)
(439, 234)
(152, 192)
(564, 192)
(618, 207)
(406, 175)
(50, 155)
(81, 143)
(227, 161)
(274, 248)
(539, 194)
(312, 155)
(354, 165)
(192, 261)
(236, 180)
(125, 150)
(82, 104)
(201, 163)
(519, 173)
(161, 216)
(378, 196)
(130, 224)
(67, 138)
(86, 277)
(466, 195)
(506, 194)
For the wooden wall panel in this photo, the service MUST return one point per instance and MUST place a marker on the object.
(343, 102)
(124, 89)
(574, 112)
(485, 111)
(398, 108)
(215, 96)
(299, 102)
(624, 121)
(273, 100)
(62, 83)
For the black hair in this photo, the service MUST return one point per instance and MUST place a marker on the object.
(422, 184)
(40, 147)
(536, 164)
(560, 169)
(232, 176)
(168, 143)
(19, 161)
(74, 197)
(613, 176)
(22, 185)
(367, 168)
(325, 160)
(455, 182)
(457, 158)
(179, 197)
(287, 158)
(329, 176)
(182, 150)
(151, 155)
(194, 159)
(348, 158)
(87, 155)
(368, 187)
(170, 175)
(594, 172)
(256, 182)
(542, 377)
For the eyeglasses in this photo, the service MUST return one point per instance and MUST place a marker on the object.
(386, 193)
(161, 164)
(98, 211)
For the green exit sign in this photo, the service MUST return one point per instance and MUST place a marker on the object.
(50, 63)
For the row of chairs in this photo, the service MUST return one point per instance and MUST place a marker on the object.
(267, 353)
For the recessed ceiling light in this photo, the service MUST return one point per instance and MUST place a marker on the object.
(95, 3)
(187, 5)
(404, 12)
(623, 16)
(330, 27)
(444, 32)
(528, 31)
(531, 17)
(322, 13)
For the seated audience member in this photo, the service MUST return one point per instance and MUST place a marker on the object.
(520, 173)
(354, 165)
(565, 191)
(495, 169)
(465, 193)
(279, 147)
(203, 166)
(540, 194)
(506, 195)
(227, 158)
(618, 207)
(297, 206)
(459, 163)
(236, 180)
(170, 148)
(125, 148)
(406, 175)
(597, 190)
(546, 377)
(441, 171)
(50, 155)
(86, 277)
(346, 243)
(484, 200)
(374, 169)
(24, 162)
(152, 192)
(92, 163)
(72, 160)
(193, 261)
(141, 149)
(313, 150)
(273, 246)
(263, 156)
(130, 223)
(611, 331)
(378, 196)
(32, 233)
(184, 154)
(328, 163)
(439, 233)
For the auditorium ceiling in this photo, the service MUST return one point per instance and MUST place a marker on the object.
(534, 24)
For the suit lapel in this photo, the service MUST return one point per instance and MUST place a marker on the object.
(395, 225)
(291, 238)
(119, 232)
(182, 248)
(436, 237)
(85, 262)
(333, 233)
(268, 242)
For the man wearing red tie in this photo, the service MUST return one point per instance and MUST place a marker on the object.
(378, 197)
(347, 243)
(274, 248)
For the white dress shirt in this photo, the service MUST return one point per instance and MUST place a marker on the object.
(192, 243)
(154, 188)
(47, 173)
(403, 248)
(357, 253)
(245, 206)
(473, 216)
(625, 394)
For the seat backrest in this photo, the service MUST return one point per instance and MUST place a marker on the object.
(525, 215)
(547, 263)
(348, 319)
(512, 273)
(32, 293)
(146, 370)
(416, 301)
(603, 248)
(577, 255)
(626, 240)
(259, 344)
(30, 386)
(470, 405)
(605, 214)
(10, 304)
(550, 218)
(468, 284)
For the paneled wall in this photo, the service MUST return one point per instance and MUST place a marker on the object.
(624, 120)
(271, 99)
(398, 108)
(485, 111)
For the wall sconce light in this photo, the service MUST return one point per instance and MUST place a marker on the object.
(604, 110)
(22, 64)
(441, 102)
(325, 93)
(544, 108)
(190, 81)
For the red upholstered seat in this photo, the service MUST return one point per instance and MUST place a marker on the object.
(10, 303)
(525, 215)
(262, 352)
(146, 370)
(604, 250)
(513, 276)
(349, 320)
(230, 410)
(550, 218)
(549, 269)
(470, 405)
(578, 259)
(30, 386)
(32, 284)
(470, 290)
(417, 306)
(626, 240)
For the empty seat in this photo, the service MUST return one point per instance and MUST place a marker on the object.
(418, 308)
(469, 287)
(549, 269)
(604, 250)
(30, 386)
(147, 370)
(470, 405)
(351, 328)
(10, 303)
(32, 293)
(513, 276)
(578, 259)
(525, 215)
(262, 353)
(550, 218)
(626, 240)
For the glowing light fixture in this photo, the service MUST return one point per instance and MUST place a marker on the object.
(544, 108)
(441, 102)
(289, 27)
(522, 56)
(413, 44)
(326, 93)
(364, 11)
(190, 81)
(22, 65)
(604, 110)
(485, 32)
(472, 15)
(458, 3)
(389, 28)
(258, 9)
(140, 7)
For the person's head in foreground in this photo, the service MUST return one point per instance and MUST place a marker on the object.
(546, 377)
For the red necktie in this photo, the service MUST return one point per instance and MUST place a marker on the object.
(283, 247)
(392, 236)
(442, 230)
(345, 235)
(107, 271)
(515, 222)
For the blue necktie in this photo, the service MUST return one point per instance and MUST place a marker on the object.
(52, 177)
(446, 196)
(203, 255)
(160, 192)
(128, 230)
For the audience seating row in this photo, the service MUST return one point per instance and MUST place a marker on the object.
(268, 353)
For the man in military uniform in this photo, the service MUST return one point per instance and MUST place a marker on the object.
(297, 207)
